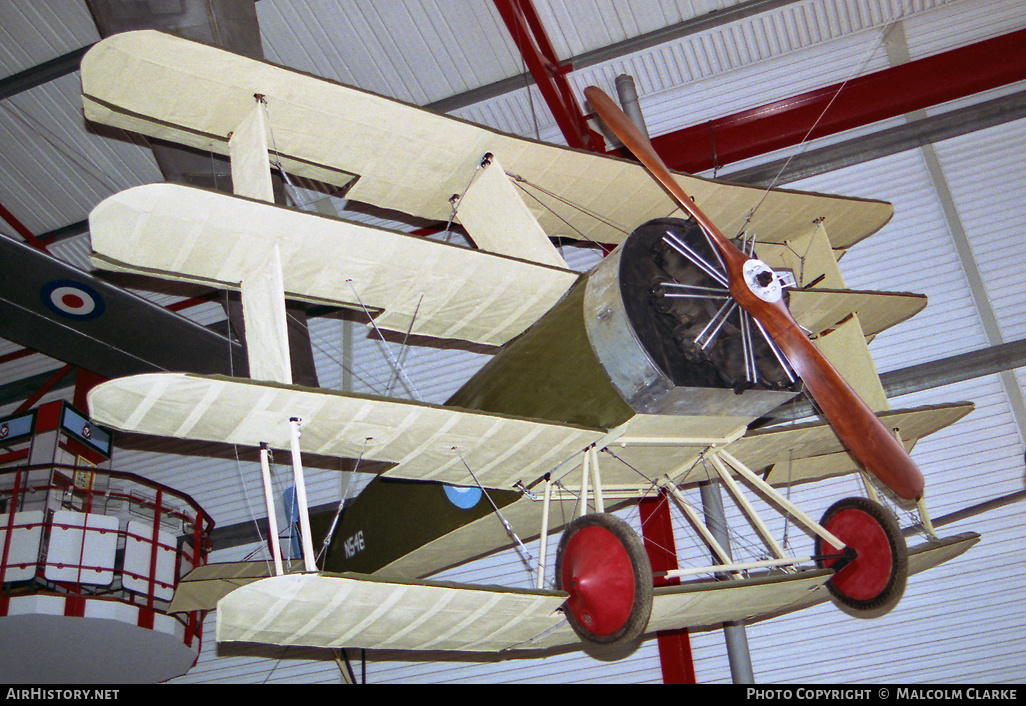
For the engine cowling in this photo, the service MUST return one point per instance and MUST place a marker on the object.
(644, 332)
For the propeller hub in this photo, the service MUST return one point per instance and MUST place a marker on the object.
(762, 281)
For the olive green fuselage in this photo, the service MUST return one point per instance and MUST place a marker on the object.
(614, 346)
(549, 372)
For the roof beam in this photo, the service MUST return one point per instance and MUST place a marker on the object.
(526, 28)
(42, 73)
(866, 148)
(889, 93)
(21, 230)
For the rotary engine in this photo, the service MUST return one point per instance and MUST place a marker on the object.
(675, 299)
(651, 330)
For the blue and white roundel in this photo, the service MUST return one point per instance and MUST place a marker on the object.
(463, 498)
(72, 300)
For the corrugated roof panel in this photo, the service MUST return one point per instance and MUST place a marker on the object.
(960, 23)
(982, 171)
(725, 69)
(33, 32)
(575, 27)
(416, 51)
(62, 171)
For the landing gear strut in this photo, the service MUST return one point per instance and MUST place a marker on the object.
(602, 563)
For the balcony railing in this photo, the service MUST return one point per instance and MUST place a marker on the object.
(95, 533)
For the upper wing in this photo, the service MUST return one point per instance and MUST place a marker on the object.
(413, 160)
(441, 290)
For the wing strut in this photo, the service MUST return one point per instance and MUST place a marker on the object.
(725, 464)
(306, 537)
(272, 516)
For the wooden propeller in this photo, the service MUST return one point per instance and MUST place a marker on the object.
(756, 290)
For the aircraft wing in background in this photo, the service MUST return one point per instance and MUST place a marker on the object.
(73, 316)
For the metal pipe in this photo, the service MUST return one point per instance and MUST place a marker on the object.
(738, 566)
(628, 95)
(734, 634)
(544, 538)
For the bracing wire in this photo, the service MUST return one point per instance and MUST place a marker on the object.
(396, 365)
(342, 502)
(856, 71)
(524, 553)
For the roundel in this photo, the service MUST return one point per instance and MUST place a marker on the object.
(72, 300)
(463, 498)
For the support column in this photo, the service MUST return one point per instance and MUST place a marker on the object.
(735, 633)
(675, 657)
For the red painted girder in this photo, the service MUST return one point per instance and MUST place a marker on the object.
(550, 75)
(44, 388)
(867, 99)
(20, 228)
(675, 658)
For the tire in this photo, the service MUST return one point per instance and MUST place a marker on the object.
(873, 581)
(603, 566)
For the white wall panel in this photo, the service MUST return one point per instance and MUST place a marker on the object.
(914, 253)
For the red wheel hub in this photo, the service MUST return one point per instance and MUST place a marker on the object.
(868, 574)
(598, 575)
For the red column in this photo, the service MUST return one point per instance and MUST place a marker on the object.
(550, 75)
(674, 645)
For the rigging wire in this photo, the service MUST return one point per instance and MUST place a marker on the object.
(525, 555)
(342, 502)
(405, 347)
(856, 71)
(397, 367)
(326, 349)
(523, 183)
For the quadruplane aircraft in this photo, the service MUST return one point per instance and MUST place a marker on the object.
(647, 374)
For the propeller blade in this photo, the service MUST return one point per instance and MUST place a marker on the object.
(756, 289)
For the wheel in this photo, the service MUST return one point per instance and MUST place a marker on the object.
(870, 583)
(603, 566)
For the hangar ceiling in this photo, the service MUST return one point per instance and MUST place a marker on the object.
(951, 168)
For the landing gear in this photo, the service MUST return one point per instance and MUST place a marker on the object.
(871, 578)
(602, 563)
